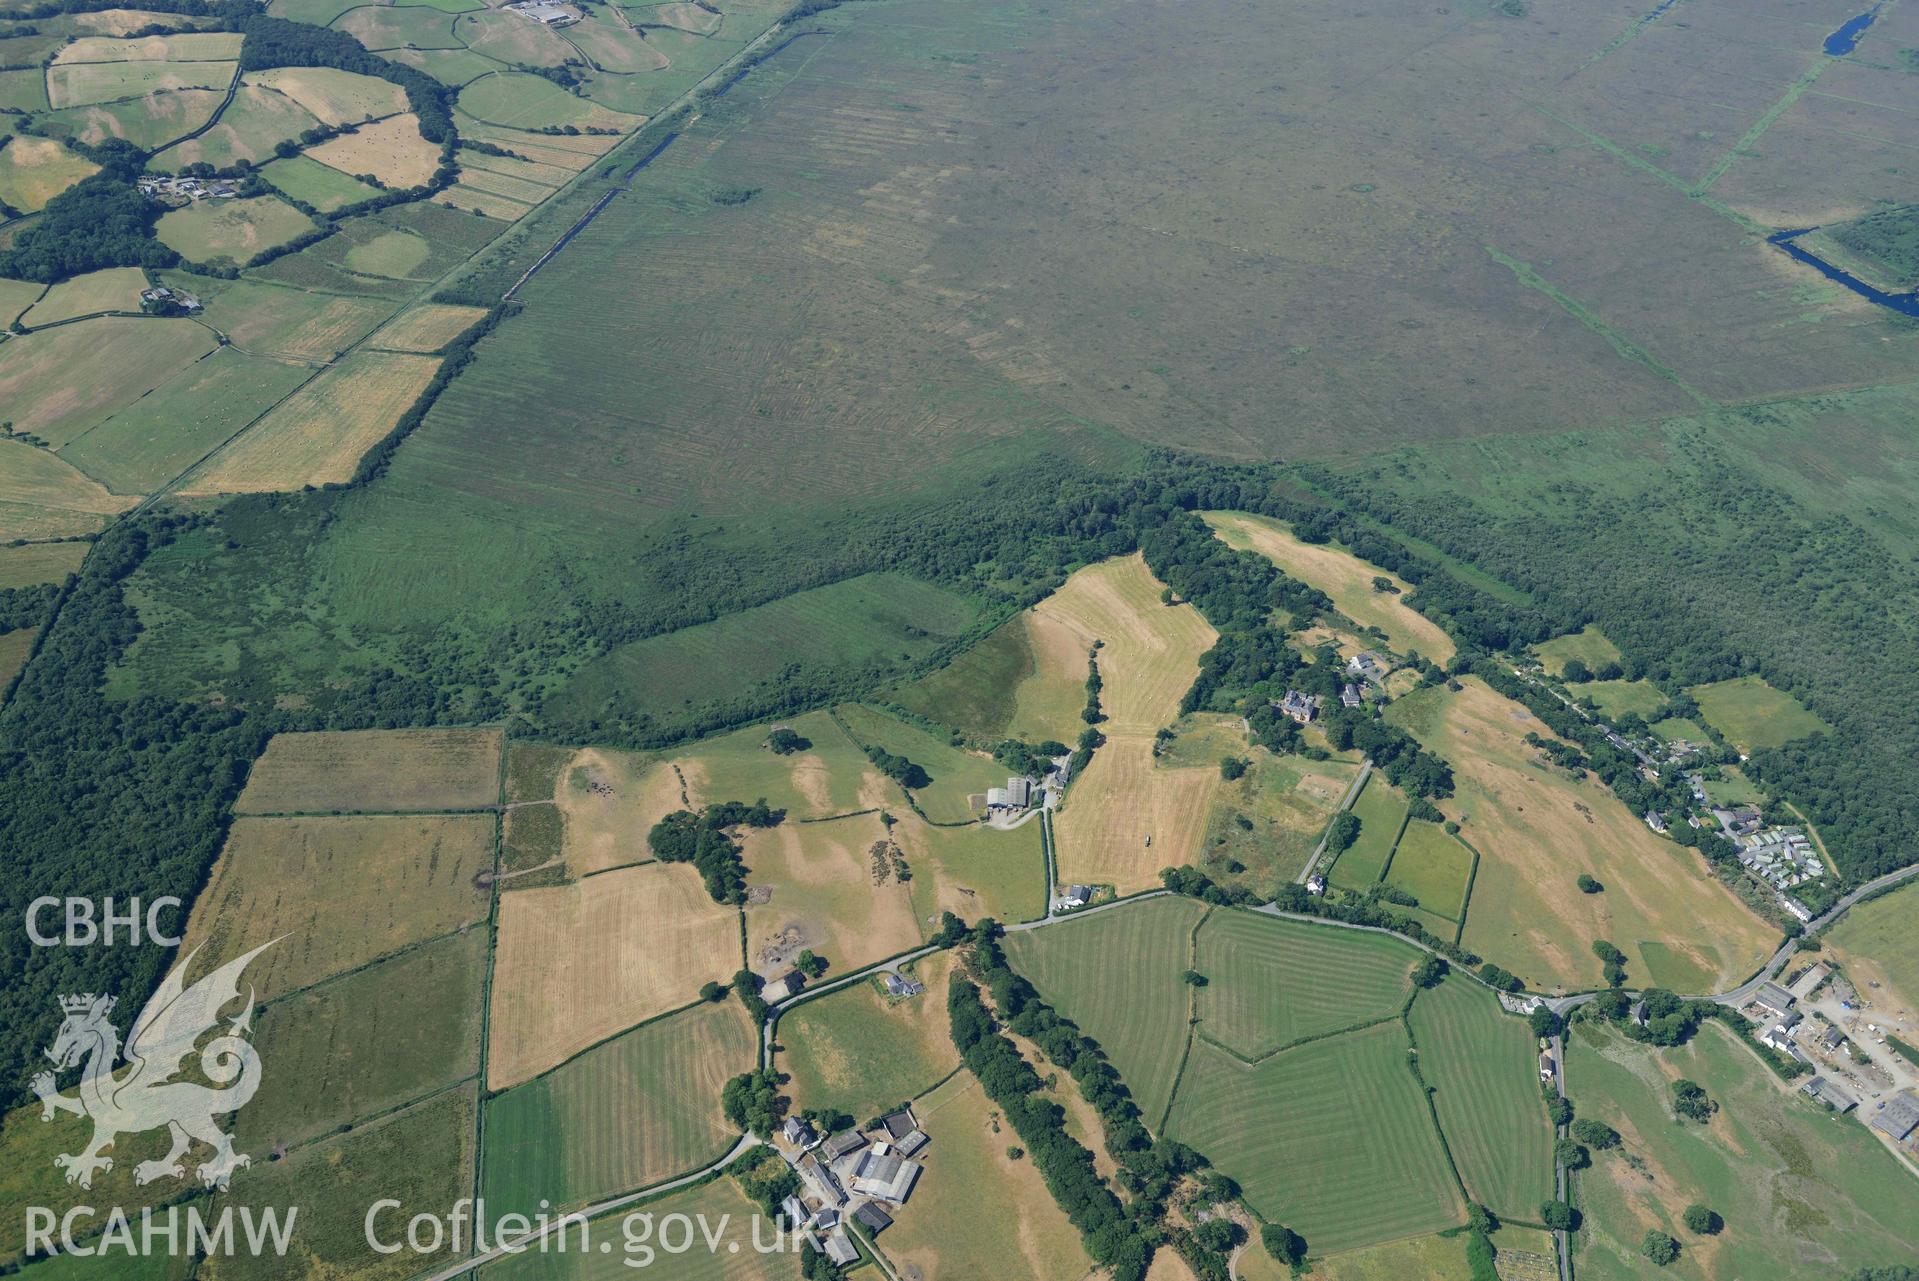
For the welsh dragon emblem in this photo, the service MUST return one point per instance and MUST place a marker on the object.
(142, 1096)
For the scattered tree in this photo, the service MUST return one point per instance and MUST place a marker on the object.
(1233, 767)
(1659, 1247)
(784, 742)
(1559, 1216)
(1194, 978)
(1571, 1154)
(1430, 970)
(1703, 1221)
(1588, 884)
(1284, 1244)
(1690, 1100)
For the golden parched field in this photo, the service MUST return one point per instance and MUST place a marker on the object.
(392, 150)
(609, 801)
(1341, 575)
(35, 170)
(1126, 817)
(338, 892)
(576, 963)
(375, 771)
(823, 894)
(187, 46)
(976, 1212)
(1537, 829)
(334, 97)
(43, 497)
(318, 434)
(428, 327)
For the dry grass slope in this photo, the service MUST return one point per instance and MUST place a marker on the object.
(1126, 817)
(577, 963)
(375, 771)
(338, 892)
(318, 435)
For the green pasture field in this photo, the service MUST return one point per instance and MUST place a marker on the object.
(1332, 1138)
(1676, 727)
(1752, 714)
(875, 622)
(376, 1039)
(451, 67)
(285, 324)
(720, 1201)
(159, 436)
(632, 1111)
(34, 563)
(1803, 1192)
(318, 12)
(998, 689)
(16, 296)
(1589, 646)
(522, 101)
(140, 1267)
(148, 123)
(420, 1157)
(1733, 788)
(1117, 975)
(956, 773)
(76, 84)
(1381, 811)
(1002, 873)
(739, 767)
(115, 289)
(62, 381)
(1434, 868)
(861, 1052)
(231, 230)
(1619, 698)
(1272, 983)
(1480, 1063)
(313, 183)
(381, 27)
(24, 89)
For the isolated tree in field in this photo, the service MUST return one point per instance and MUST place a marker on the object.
(1575, 672)
(1595, 1134)
(711, 991)
(1233, 767)
(785, 742)
(1588, 884)
(1558, 1216)
(1430, 970)
(809, 963)
(1193, 978)
(1703, 1221)
(1284, 1244)
(1381, 583)
(1690, 1100)
(1659, 1247)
